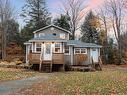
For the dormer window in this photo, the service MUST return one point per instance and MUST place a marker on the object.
(62, 36)
(41, 34)
(36, 35)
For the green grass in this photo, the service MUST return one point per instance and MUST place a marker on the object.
(13, 74)
(106, 82)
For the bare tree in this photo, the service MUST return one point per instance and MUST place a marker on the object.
(75, 9)
(116, 12)
(5, 15)
(103, 16)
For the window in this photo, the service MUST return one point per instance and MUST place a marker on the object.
(62, 36)
(41, 34)
(77, 51)
(83, 50)
(66, 47)
(36, 35)
(48, 48)
(57, 47)
(80, 51)
(38, 47)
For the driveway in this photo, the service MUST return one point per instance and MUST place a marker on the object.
(7, 88)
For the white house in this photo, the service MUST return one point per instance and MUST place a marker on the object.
(52, 45)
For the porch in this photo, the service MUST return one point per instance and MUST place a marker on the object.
(47, 65)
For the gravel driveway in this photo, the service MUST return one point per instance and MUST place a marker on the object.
(7, 88)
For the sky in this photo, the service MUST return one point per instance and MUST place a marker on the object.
(53, 7)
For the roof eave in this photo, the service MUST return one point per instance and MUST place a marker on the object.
(47, 41)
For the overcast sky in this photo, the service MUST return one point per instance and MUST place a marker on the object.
(52, 5)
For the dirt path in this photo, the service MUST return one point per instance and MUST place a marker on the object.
(7, 88)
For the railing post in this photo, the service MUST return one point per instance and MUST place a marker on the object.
(40, 66)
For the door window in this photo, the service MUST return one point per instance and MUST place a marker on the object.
(48, 48)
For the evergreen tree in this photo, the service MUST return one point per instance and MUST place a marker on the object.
(27, 32)
(35, 11)
(89, 29)
(62, 22)
(12, 31)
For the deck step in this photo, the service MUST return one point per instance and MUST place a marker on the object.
(46, 62)
(47, 65)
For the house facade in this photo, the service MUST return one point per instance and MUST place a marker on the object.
(52, 44)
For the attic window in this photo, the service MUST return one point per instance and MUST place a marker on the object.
(62, 36)
(41, 34)
(54, 34)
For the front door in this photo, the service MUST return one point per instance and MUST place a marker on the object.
(94, 54)
(47, 51)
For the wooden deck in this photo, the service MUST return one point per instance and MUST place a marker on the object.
(57, 59)
(34, 58)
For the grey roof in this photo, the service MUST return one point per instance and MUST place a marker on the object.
(52, 38)
(51, 26)
(47, 38)
(78, 43)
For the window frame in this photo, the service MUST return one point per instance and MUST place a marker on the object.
(57, 47)
(80, 51)
(41, 34)
(62, 36)
(65, 49)
(38, 47)
(36, 35)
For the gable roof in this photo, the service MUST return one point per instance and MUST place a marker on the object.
(78, 43)
(52, 26)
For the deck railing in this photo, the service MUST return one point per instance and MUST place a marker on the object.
(57, 58)
(34, 58)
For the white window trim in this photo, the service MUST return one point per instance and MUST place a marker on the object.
(36, 48)
(69, 51)
(75, 51)
(60, 48)
(80, 50)
(62, 36)
(41, 34)
(36, 35)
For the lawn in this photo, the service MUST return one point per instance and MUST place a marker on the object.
(106, 82)
(13, 74)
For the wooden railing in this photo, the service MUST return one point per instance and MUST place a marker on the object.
(58, 58)
(34, 58)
